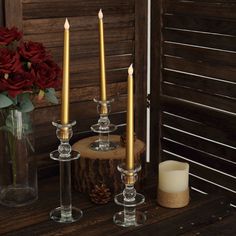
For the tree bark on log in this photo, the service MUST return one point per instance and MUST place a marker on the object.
(96, 167)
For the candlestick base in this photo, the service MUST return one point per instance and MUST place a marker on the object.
(103, 146)
(58, 215)
(129, 199)
(103, 128)
(64, 154)
(120, 219)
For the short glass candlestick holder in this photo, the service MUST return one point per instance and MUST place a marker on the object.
(129, 199)
(103, 128)
(64, 154)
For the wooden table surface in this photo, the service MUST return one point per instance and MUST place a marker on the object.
(205, 215)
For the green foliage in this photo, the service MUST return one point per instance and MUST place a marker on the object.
(50, 95)
(5, 101)
(25, 104)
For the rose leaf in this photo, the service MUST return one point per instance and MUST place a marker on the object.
(50, 95)
(25, 104)
(5, 101)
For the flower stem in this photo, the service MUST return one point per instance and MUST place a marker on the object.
(12, 152)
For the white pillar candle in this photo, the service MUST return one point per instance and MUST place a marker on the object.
(173, 176)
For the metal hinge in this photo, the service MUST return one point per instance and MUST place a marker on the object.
(148, 100)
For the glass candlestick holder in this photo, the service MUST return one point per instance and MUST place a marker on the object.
(64, 154)
(103, 128)
(129, 199)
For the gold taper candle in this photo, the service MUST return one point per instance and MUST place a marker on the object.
(65, 83)
(130, 122)
(103, 95)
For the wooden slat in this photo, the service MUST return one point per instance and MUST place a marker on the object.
(88, 78)
(220, 123)
(201, 83)
(224, 72)
(209, 188)
(198, 156)
(56, 39)
(91, 2)
(200, 143)
(203, 172)
(90, 49)
(209, 56)
(88, 93)
(224, 9)
(156, 79)
(192, 95)
(1, 14)
(112, 62)
(75, 8)
(200, 38)
(13, 11)
(140, 61)
(79, 23)
(199, 127)
(201, 24)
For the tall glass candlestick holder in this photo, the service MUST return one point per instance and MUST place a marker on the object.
(129, 199)
(103, 127)
(64, 154)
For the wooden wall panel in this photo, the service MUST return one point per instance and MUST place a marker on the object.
(197, 89)
(1, 13)
(43, 21)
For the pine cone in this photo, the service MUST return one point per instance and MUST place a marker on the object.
(100, 194)
(123, 139)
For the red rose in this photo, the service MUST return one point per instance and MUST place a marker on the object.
(47, 74)
(17, 84)
(9, 62)
(9, 35)
(33, 52)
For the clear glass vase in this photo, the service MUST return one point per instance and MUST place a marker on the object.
(18, 171)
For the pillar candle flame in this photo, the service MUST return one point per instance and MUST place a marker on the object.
(131, 70)
(100, 14)
(66, 25)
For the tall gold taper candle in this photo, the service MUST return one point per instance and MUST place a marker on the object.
(130, 122)
(65, 84)
(103, 95)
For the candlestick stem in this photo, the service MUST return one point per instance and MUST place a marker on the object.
(65, 213)
(129, 199)
(130, 215)
(103, 128)
(65, 189)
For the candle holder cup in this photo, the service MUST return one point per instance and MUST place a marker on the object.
(129, 199)
(64, 154)
(103, 127)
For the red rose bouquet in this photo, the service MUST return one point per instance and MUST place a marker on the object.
(26, 70)
(27, 73)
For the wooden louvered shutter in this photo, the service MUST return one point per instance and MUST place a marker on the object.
(195, 48)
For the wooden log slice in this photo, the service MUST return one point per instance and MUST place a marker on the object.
(100, 167)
